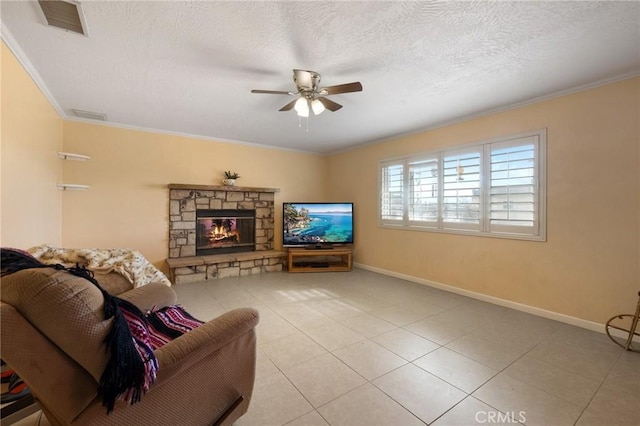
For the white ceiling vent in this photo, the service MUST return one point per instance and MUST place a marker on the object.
(89, 115)
(64, 14)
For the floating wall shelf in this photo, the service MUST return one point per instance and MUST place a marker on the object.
(76, 157)
(72, 156)
(72, 187)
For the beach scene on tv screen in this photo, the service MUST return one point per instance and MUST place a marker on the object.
(330, 223)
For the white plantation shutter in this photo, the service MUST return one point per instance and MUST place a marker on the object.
(423, 191)
(461, 189)
(392, 192)
(513, 193)
(494, 188)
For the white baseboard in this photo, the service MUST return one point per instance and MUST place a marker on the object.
(578, 322)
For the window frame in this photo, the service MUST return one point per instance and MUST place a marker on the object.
(389, 163)
(485, 227)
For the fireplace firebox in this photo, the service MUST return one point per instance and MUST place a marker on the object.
(225, 231)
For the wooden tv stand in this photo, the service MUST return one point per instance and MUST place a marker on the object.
(337, 259)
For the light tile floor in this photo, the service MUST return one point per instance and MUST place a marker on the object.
(360, 348)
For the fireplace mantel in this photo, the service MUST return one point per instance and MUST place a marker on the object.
(190, 187)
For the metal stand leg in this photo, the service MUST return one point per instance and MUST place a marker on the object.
(628, 345)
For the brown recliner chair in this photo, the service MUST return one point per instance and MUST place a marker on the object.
(52, 333)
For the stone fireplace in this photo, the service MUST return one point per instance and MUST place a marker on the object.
(220, 231)
(186, 201)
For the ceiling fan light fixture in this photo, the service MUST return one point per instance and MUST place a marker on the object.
(317, 106)
(310, 96)
(302, 107)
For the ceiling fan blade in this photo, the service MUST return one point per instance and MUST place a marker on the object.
(329, 104)
(342, 88)
(289, 106)
(272, 92)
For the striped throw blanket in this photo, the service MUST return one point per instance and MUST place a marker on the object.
(149, 332)
(169, 323)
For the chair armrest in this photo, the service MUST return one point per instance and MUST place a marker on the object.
(150, 295)
(202, 341)
(202, 374)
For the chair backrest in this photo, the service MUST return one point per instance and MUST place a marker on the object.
(63, 388)
(67, 309)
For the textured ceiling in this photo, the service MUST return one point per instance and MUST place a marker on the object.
(189, 67)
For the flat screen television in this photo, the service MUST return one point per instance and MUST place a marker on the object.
(317, 225)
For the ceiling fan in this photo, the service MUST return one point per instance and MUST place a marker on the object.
(311, 96)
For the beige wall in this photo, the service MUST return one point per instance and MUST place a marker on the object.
(31, 132)
(588, 268)
(129, 170)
